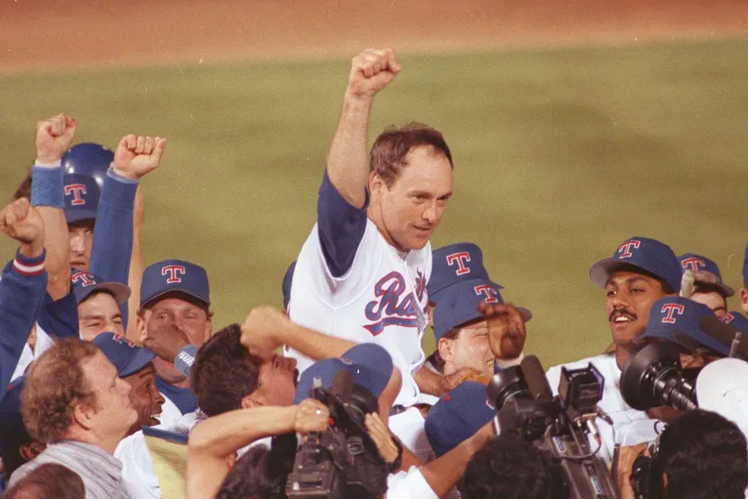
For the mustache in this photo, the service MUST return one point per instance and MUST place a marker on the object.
(621, 312)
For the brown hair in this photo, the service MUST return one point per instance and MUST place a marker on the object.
(55, 384)
(48, 481)
(224, 372)
(438, 361)
(390, 151)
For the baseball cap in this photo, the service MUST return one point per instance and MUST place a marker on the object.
(174, 275)
(85, 283)
(286, 286)
(455, 263)
(457, 416)
(736, 320)
(705, 271)
(647, 254)
(458, 304)
(369, 364)
(126, 356)
(677, 320)
(88, 159)
(81, 197)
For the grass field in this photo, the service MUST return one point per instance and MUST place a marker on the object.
(560, 155)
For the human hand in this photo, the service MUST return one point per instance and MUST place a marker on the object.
(263, 329)
(371, 71)
(137, 155)
(53, 138)
(506, 329)
(20, 221)
(381, 436)
(311, 415)
(166, 341)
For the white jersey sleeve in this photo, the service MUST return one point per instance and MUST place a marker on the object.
(409, 485)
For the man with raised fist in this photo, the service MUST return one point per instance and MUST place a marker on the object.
(361, 275)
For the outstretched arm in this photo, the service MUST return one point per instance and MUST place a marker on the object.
(53, 137)
(220, 436)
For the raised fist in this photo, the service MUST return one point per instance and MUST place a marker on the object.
(371, 71)
(53, 138)
(166, 341)
(136, 155)
(263, 329)
(21, 221)
(506, 329)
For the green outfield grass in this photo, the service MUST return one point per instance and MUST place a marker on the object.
(560, 155)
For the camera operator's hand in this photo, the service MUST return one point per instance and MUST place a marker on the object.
(311, 415)
(381, 437)
(506, 329)
(626, 457)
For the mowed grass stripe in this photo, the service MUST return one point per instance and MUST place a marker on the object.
(560, 155)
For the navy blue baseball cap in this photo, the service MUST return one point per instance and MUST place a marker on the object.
(736, 320)
(287, 282)
(126, 356)
(706, 271)
(455, 263)
(88, 159)
(677, 320)
(81, 198)
(458, 304)
(85, 283)
(174, 275)
(458, 416)
(369, 364)
(647, 254)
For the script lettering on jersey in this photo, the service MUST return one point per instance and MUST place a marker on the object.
(76, 190)
(391, 308)
(625, 248)
(420, 285)
(670, 309)
(693, 263)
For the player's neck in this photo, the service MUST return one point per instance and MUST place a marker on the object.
(375, 216)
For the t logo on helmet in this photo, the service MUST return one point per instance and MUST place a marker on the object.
(461, 259)
(76, 190)
(625, 248)
(173, 271)
(670, 309)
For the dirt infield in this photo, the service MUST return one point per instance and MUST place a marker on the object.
(60, 34)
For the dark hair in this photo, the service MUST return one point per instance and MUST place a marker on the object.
(55, 384)
(436, 357)
(224, 372)
(48, 481)
(24, 188)
(389, 154)
(507, 467)
(704, 456)
(261, 473)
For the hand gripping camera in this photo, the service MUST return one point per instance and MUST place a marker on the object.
(562, 426)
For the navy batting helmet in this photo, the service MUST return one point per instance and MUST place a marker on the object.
(91, 160)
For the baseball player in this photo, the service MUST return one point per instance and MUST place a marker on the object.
(705, 283)
(175, 292)
(640, 272)
(362, 272)
(98, 305)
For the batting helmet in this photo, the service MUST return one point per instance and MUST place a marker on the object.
(88, 159)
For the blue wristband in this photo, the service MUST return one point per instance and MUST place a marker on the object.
(185, 359)
(47, 187)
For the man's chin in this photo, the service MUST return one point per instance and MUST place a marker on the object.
(625, 334)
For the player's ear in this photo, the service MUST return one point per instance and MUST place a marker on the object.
(250, 401)
(140, 327)
(744, 299)
(376, 183)
(444, 346)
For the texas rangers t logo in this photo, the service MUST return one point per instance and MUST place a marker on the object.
(83, 278)
(625, 248)
(76, 190)
(490, 294)
(174, 271)
(670, 309)
(461, 259)
(694, 263)
(123, 341)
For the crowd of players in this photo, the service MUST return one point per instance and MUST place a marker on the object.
(99, 352)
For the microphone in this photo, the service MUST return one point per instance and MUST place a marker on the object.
(535, 378)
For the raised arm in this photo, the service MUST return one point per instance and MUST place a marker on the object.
(22, 286)
(53, 137)
(220, 436)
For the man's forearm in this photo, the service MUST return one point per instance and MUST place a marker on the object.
(347, 162)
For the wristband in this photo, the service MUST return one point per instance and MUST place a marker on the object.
(47, 187)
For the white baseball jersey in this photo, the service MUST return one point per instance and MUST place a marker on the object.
(350, 283)
(630, 426)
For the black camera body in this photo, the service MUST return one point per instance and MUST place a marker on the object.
(342, 461)
(559, 426)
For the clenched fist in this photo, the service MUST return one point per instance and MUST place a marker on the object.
(506, 329)
(53, 138)
(371, 71)
(311, 415)
(21, 221)
(137, 155)
(263, 329)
